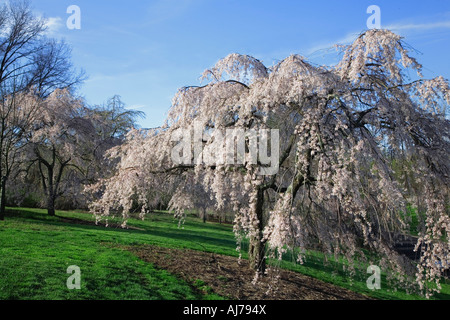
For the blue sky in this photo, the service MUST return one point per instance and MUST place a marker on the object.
(145, 50)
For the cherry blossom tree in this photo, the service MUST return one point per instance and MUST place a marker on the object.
(65, 149)
(334, 189)
(61, 143)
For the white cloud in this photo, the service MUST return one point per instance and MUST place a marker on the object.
(325, 47)
(53, 25)
(419, 26)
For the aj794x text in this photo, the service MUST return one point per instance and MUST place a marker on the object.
(233, 310)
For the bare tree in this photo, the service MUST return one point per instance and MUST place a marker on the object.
(29, 62)
(18, 113)
(114, 119)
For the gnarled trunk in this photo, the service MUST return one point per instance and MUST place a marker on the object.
(257, 247)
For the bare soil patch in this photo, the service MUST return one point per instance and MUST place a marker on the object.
(229, 278)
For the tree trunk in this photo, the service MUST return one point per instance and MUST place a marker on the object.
(257, 248)
(2, 198)
(51, 205)
(51, 192)
(51, 186)
(204, 215)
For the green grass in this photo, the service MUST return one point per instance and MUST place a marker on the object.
(35, 251)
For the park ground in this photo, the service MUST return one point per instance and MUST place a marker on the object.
(159, 259)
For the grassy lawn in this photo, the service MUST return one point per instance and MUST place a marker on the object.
(35, 251)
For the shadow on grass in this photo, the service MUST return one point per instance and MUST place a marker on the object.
(206, 240)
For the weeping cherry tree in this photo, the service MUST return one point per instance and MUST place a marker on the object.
(322, 177)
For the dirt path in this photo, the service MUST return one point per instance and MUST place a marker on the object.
(228, 278)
